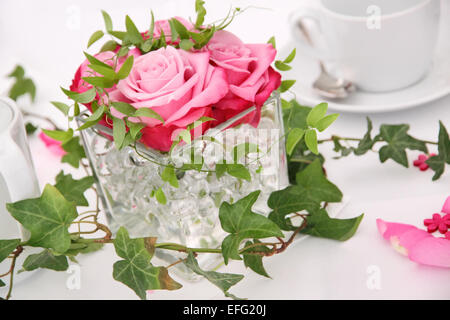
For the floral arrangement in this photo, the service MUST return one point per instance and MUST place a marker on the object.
(155, 88)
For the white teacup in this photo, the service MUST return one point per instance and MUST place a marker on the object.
(380, 45)
(18, 179)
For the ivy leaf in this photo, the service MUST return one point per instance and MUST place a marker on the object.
(7, 247)
(224, 281)
(319, 224)
(238, 220)
(296, 116)
(2, 284)
(398, 140)
(311, 189)
(254, 261)
(437, 163)
(75, 152)
(47, 218)
(366, 142)
(97, 35)
(46, 259)
(135, 270)
(18, 72)
(169, 175)
(30, 128)
(73, 190)
(21, 87)
(83, 248)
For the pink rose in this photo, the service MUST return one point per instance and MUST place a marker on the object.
(180, 86)
(251, 78)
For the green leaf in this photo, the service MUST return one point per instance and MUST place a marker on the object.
(272, 42)
(239, 171)
(238, 220)
(100, 82)
(2, 284)
(7, 247)
(221, 169)
(119, 131)
(123, 52)
(125, 108)
(398, 140)
(73, 190)
(84, 97)
(437, 163)
(184, 135)
(243, 149)
(316, 114)
(319, 224)
(74, 152)
(169, 175)
(97, 35)
(311, 140)
(83, 248)
(366, 142)
(280, 65)
(291, 56)
(224, 281)
(135, 129)
(30, 128)
(135, 270)
(64, 108)
(46, 259)
(295, 116)
(18, 72)
(94, 118)
(312, 188)
(294, 137)
(47, 218)
(254, 261)
(133, 35)
(201, 13)
(21, 87)
(286, 85)
(326, 121)
(107, 20)
(109, 45)
(126, 68)
(149, 113)
(59, 135)
(186, 44)
(160, 196)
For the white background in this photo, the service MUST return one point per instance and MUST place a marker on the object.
(47, 38)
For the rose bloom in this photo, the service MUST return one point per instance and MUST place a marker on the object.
(251, 78)
(180, 86)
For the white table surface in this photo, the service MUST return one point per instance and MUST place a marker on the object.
(48, 37)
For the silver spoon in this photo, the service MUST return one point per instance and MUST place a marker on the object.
(326, 84)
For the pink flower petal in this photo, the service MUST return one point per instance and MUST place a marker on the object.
(418, 245)
(53, 145)
(446, 207)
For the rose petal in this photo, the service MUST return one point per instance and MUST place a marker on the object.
(446, 207)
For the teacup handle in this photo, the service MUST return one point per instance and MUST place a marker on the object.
(310, 38)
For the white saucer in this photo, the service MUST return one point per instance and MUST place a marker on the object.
(434, 85)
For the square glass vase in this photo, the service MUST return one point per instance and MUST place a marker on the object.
(127, 180)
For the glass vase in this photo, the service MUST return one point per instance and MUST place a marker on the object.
(127, 180)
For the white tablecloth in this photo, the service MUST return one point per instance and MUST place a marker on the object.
(47, 38)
